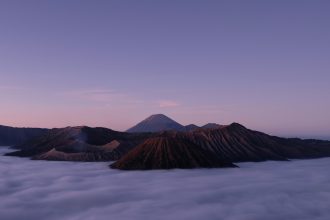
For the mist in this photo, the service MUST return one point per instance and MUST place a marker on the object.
(32, 190)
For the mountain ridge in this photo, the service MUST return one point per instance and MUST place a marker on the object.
(161, 122)
(213, 146)
(81, 143)
(233, 143)
(15, 135)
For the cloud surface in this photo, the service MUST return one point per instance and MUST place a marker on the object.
(64, 190)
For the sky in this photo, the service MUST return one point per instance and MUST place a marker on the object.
(264, 64)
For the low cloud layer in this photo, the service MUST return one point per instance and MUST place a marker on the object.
(78, 191)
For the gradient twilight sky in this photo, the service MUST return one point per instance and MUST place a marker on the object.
(265, 64)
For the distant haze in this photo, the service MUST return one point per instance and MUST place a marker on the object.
(264, 64)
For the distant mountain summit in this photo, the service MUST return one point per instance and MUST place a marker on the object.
(157, 123)
(160, 122)
(191, 127)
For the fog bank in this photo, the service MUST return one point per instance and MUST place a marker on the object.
(65, 190)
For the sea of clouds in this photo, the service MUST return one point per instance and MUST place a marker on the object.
(33, 190)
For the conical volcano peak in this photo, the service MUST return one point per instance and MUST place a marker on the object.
(157, 123)
(158, 117)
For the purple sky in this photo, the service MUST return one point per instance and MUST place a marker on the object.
(265, 64)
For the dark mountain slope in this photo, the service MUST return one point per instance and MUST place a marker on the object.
(80, 144)
(169, 153)
(10, 136)
(233, 143)
(237, 143)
